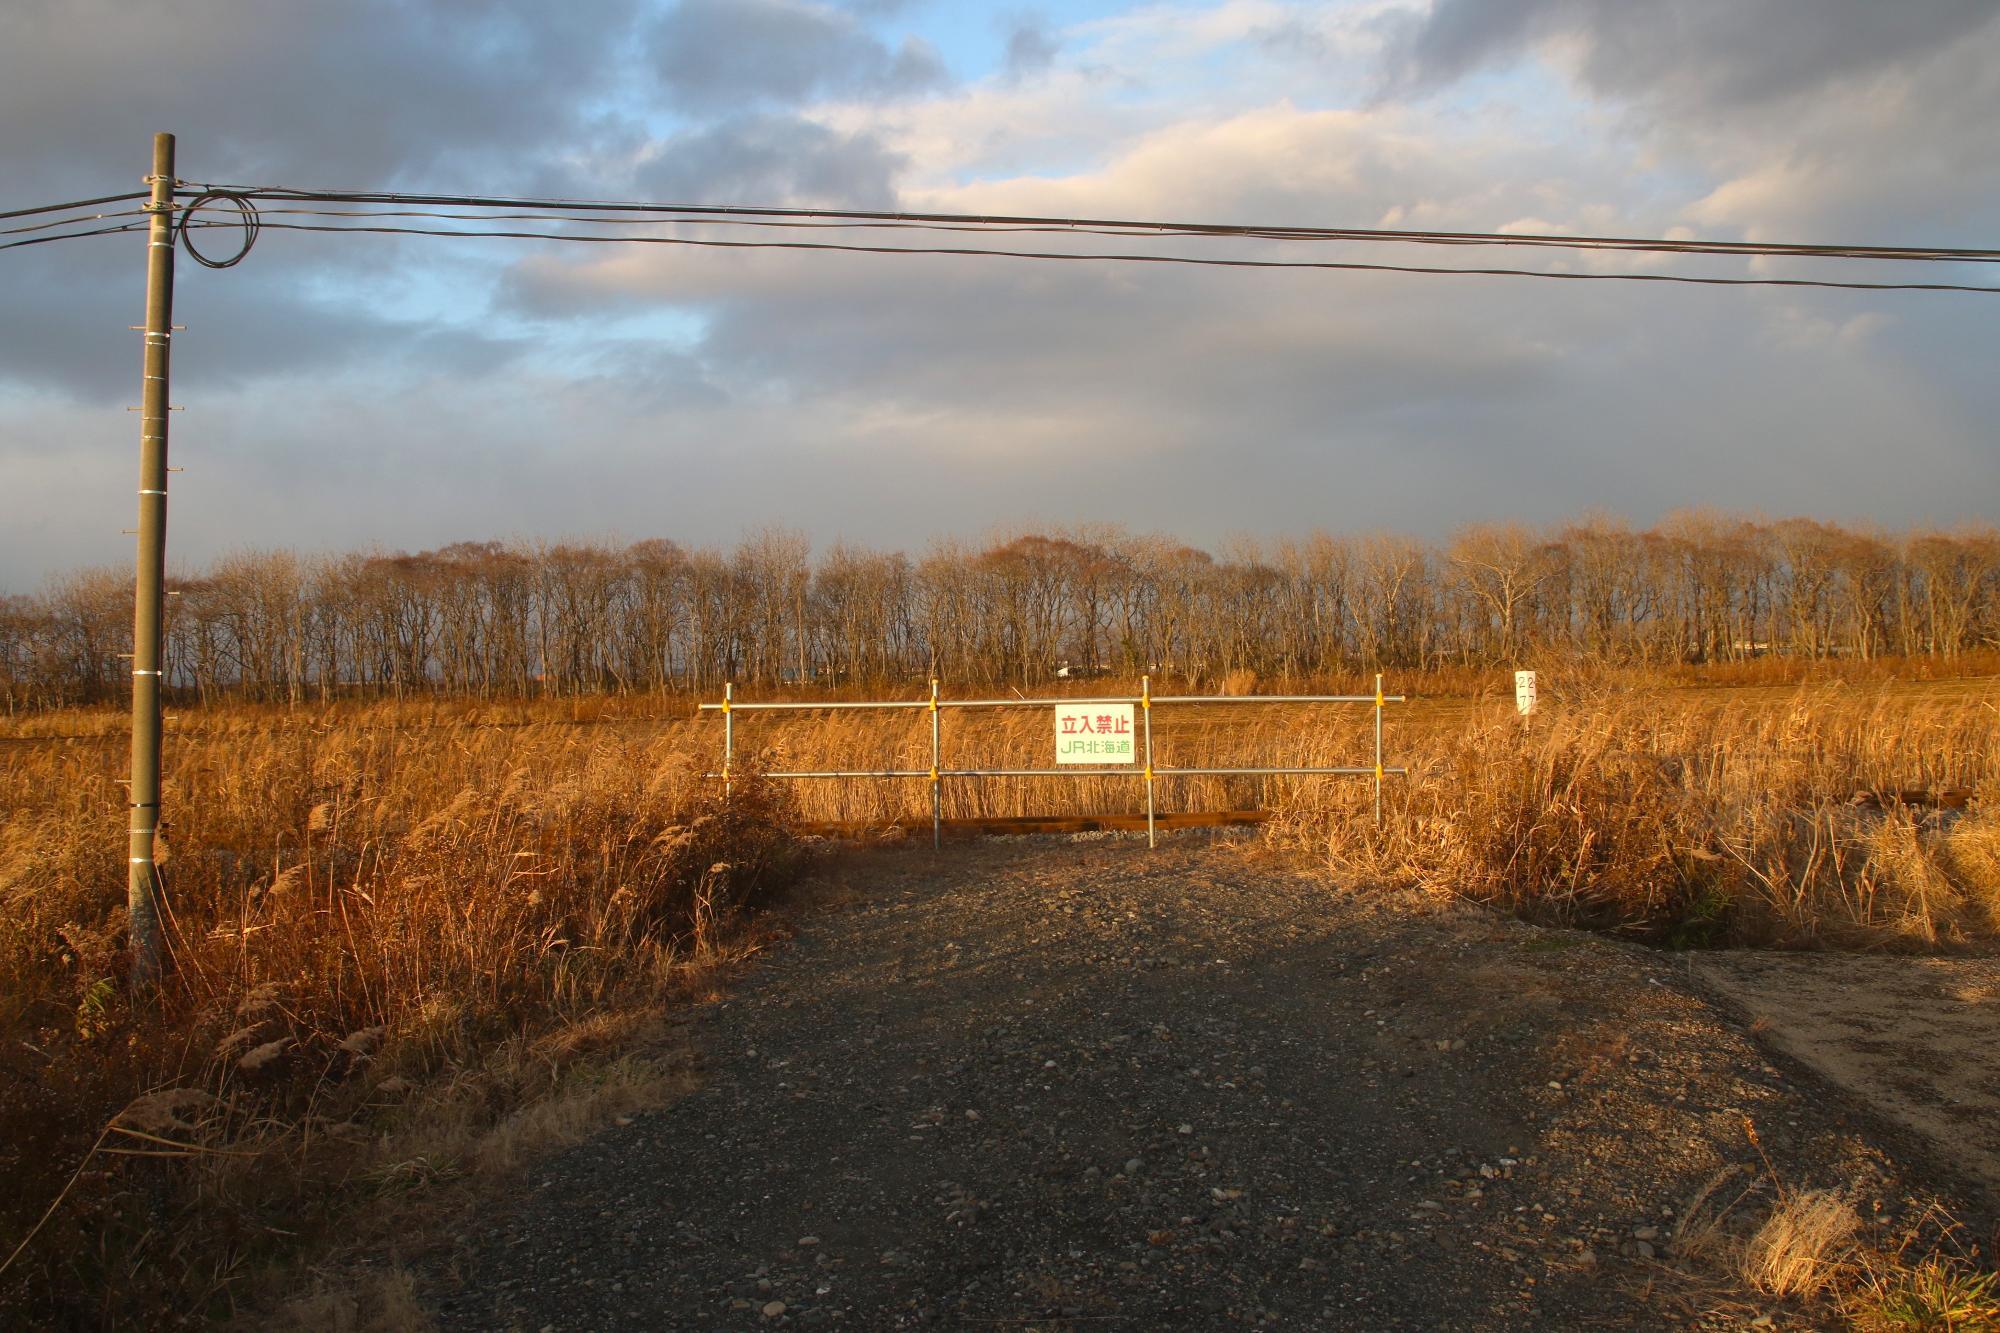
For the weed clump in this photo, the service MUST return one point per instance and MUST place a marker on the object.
(1812, 1250)
(1837, 820)
(386, 947)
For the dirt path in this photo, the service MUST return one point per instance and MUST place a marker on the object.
(1051, 1084)
(1913, 1038)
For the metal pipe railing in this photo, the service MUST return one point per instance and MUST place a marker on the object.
(1069, 772)
(810, 705)
(1145, 700)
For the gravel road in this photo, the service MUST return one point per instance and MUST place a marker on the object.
(1050, 1084)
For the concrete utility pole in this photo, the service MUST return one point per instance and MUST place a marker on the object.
(143, 884)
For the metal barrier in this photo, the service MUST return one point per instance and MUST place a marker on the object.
(1145, 700)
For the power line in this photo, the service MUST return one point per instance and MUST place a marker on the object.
(801, 225)
(73, 204)
(605, 213)
(1209, 261)
(73, 236)
(247, 218)
(53, 224)
(1660, 245)
(1078, 229)
(70, 222)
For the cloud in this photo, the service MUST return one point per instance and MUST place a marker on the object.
(366, 92)
(372, 93)
(714, 54)
(880, 8)
(1031, 47)
(771, 159)
(1275, 401)
(1821, 120)
(65, 329)
(344, 390)
(1708, 53)
(1904, 154)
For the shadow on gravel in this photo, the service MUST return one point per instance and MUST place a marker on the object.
(1046, 1084)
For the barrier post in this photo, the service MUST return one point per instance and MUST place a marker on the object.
(1378, 749)
(1146, 712)
(937, 793)
(728, 736)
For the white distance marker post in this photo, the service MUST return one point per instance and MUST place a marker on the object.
(1094, 734)
(1524, 693)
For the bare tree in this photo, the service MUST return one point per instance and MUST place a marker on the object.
(1504, 566)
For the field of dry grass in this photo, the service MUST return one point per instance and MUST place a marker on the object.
(409, 939)
(1766, 815)
(398, 953)
(1712, 818)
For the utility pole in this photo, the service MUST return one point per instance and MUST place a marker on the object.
(143, 883)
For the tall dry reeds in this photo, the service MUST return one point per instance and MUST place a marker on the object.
(357, 909)
(1769, 816)
(1704, 818)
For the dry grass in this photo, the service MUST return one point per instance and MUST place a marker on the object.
(379, 1303)
(1804, 1247)
(1701, 1231)
(409, 939)
(1702, 819)
(1936, 1294)
(1812, 1251)
(400, 955)
(1694, 817)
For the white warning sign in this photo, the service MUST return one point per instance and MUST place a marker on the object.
(1094, 734)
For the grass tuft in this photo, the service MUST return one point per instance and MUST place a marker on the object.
(1804, 1247)
(1936, 1295)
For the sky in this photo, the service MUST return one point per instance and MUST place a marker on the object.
(345, 392)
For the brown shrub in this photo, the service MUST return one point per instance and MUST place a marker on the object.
(350, 903)
(1699, 819)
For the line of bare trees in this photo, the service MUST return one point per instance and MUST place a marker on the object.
(494, 619)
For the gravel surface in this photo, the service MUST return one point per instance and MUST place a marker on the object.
(1063, 1084)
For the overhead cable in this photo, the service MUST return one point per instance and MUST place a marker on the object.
(73, 235)
(74, 204)
(71, 222)
(1661, 245)
(574, 213)
(1209, 261)
(247, 219)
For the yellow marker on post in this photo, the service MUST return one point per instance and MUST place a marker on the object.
(1146, 715)
(937, 791)
(1379, 700)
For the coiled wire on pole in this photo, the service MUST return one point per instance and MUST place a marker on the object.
(252, 223)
